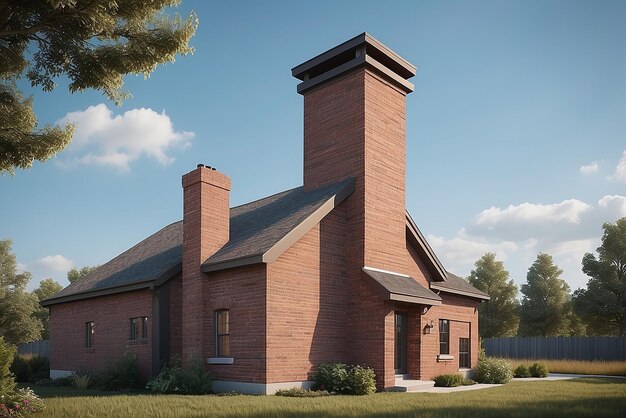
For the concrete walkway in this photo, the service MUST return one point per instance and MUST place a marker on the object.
(551, 376)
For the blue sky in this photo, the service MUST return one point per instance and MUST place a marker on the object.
(516, 131)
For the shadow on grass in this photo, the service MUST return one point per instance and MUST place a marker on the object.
(71, 392)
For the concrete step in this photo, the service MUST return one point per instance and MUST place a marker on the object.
(407, 385)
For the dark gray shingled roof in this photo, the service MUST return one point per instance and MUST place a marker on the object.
(258, 226)
(403, 288)
(255, 228)
(151, 259)
(458, 285)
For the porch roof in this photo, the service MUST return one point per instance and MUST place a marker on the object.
(402, 288)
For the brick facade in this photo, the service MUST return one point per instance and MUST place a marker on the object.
(111, 316)
(313, 304)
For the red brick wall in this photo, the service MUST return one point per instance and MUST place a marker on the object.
(176, 312)
(110, 315)
(464, 323)
(206, 223)
(355, 126)
(306, 303)
(242, 291)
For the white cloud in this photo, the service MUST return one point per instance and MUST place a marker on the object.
(590, 168)
(104, 139)
(566, 230)
(55, 262)
(620, 170)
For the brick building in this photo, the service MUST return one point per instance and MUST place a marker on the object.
(333, 271)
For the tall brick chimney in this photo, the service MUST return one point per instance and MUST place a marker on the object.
(354, 125)
(206, 224)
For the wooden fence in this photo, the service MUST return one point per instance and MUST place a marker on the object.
(555, 348)
(40, 348)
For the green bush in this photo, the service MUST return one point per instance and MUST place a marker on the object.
(468, 382)
(190, 380)
(521, 371)
(7, 380)
(538, 370)
(301, 393)
(122, 374)
(448, 380)
(492, 371)
(331, 377)
(30, 369)
(361, 380)
(344, 379)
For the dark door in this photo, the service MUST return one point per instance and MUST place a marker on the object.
(400, 355)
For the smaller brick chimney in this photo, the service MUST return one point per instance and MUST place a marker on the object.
(206, 225)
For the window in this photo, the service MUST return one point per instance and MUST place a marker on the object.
(464, 353)
(138, 328)
(444, 336)
(89, 330)
(222, 333)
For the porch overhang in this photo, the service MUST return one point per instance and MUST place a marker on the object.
(401, 288)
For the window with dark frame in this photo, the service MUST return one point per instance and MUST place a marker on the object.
(222, 333)
(444, 336)
(138, 328)
(89, 331)
(464, 353)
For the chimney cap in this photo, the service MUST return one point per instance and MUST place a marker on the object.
(349, 50)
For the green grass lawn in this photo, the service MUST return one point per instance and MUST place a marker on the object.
(570, 398)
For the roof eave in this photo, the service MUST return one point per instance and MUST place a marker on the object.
(98, 292)
(435, 266)
(459, 292)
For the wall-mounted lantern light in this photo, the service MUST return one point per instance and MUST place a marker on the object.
(428, 327)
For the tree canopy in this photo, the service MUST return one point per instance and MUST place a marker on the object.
(17, 323)
(499, 316)
(75, 273)
(546, 305)
(46, 289)
(602, 306)
(92, 44)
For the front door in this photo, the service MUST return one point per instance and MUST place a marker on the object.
(400, 355)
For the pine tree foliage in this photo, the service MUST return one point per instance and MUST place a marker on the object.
(546, 308)
(91, 43)
(499, 316)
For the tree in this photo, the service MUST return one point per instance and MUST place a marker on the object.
(7, 380)
(546, 308)
(499, 316)
(91, 43)
(75, 274)
(46, 289)
(602, 306)
(17, 306)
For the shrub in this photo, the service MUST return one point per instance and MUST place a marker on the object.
(81, 381)
(493, 371)
(120, 375)
(30, 369)
(301, 393)
(7, 381)
(468, 382)
(344, 379)
(521, 371)
(448, 380)
(331, 377)
(19, 403)
(538, 370)
(361, 380)
(191, 380)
